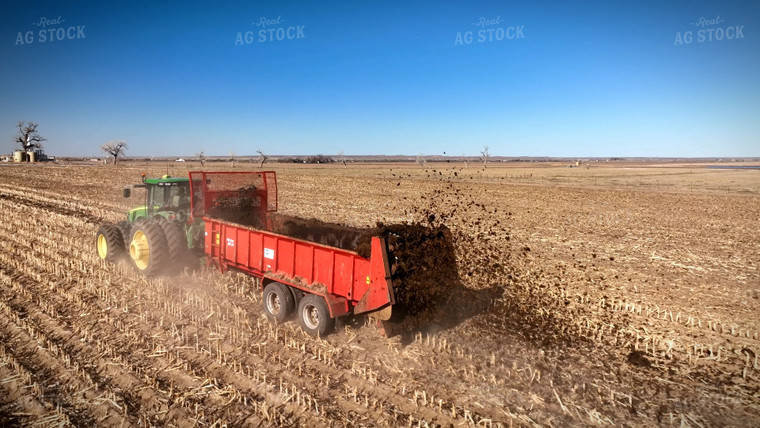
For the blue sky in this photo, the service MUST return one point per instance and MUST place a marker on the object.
(588, 78)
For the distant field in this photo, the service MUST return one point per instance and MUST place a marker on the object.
(714, 177)
(641, 176)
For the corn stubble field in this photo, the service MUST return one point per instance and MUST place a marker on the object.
(599, 296)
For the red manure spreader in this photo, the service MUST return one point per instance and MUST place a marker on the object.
(232, 217)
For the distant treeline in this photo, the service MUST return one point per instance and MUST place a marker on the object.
(323, 159)
(306, 159)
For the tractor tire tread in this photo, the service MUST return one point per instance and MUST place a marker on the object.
(126, 229)
(114, 242)
(176, 241)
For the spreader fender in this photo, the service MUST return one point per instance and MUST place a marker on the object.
(338, 306)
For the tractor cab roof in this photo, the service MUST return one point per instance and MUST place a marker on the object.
(167, 179)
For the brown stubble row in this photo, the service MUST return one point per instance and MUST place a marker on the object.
(468, 375)
(674, 351)
(37, 259)
(613, 328)
(442, 376)
(67, 310)
(114, 307)
(524, 268)
(123, 305)
(24, 401)
(467, 413)
(659, 331)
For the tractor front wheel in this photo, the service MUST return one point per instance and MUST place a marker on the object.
(109, 243)
(148, 248)
(314, 315)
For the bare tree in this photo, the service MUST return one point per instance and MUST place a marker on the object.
(342, 158)
(262, 158)
(485, 157)
(27, 137)
(201, 156)
(115, 149)
(421, 160)
(466, 160)
(232, 158)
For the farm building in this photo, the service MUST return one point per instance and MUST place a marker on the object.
(20, 156)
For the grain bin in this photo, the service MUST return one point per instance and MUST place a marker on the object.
(32, 156)
(19, 156)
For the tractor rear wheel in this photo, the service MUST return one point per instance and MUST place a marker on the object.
(314, 315)
(176, 241)
(126, 233)
(109, 243)
(278, 301)
(148, 248)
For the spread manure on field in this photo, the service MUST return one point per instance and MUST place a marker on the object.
(452, 240)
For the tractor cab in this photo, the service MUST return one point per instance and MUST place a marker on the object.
(167, 197)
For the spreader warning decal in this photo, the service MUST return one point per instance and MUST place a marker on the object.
(230, 242)
(269, 253)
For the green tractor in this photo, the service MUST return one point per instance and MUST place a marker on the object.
(167, 233)
(158, 235)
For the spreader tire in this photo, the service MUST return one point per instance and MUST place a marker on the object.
(109, 243)
(314, 315)
(278, 301)
(148, 248)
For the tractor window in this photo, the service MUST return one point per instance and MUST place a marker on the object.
(156, 198)
(182, 197)
(169, 197)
